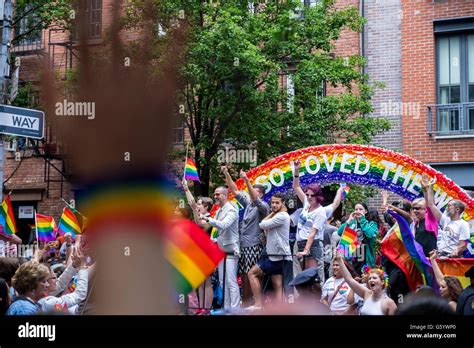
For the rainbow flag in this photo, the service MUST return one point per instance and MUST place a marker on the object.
(394, 249)
(73, 284)
(348, 242)
(190, 170)
(68, 223)
(192, 255)
(415, 250)
(346, 190)
(457, 268)
(45, 228)
(7, 218)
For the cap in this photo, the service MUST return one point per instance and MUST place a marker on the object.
(470, 273)
(308, 275)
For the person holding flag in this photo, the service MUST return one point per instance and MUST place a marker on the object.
(68, 223)
(45, 228)
(8, 228)
(200, 208)
(366, 235)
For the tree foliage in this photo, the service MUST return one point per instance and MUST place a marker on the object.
(34, 15)
(236, 60)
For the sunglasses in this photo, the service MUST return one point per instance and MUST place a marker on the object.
(310, 195)
(417, 208)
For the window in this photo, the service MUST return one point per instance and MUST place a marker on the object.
(178, 133)
(290, 92)
(28, 32)
(304, 3)
(455, 76)
(90, 11)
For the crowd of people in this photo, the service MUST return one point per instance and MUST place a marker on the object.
(55, 280)
(278, 256)
(274, 256)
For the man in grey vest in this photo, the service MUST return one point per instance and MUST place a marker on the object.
(226, 222)
(255, 209)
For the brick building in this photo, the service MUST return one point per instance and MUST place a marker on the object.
(438, 73)
(36, 171)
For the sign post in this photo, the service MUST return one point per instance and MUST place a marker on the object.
(21, 122)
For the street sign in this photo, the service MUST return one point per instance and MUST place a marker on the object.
(21, 122)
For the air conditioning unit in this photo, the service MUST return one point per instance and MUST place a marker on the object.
(10, 145)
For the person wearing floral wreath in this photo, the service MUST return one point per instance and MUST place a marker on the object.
(376, 301)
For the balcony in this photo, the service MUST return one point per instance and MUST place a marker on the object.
(28, 46)
(451, 120)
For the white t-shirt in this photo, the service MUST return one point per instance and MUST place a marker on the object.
(450, 233)
(339, 303)
(316, 218)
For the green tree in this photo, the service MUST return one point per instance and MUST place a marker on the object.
(40, 14)
(231, 81)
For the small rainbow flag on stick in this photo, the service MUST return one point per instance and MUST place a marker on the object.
(45, 228)
(7, 218)
(348, 243)
(346, 190)
(192, 255)
(190, 170)
(68, 223)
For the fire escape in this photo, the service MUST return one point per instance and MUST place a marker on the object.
(62, 56)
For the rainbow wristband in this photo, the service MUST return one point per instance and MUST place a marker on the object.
(142, 202)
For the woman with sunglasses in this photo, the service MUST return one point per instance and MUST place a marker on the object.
(309, 233)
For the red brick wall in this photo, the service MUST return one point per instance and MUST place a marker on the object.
(29, 176)
(347, 45)
(419, 79)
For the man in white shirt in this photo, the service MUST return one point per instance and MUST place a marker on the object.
(453, 233)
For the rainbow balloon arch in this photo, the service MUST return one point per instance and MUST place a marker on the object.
(357, 164)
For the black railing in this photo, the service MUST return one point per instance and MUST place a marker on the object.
(28, 46)
(451, 120)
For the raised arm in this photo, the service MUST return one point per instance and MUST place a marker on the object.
(189, 195)
(436, 270)
(337, 200)
(68, 241)
(228, 180)
(401, 212)
(359, 289)
(427, 187)
(296, 182)
(191, 202)
(252, 192)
